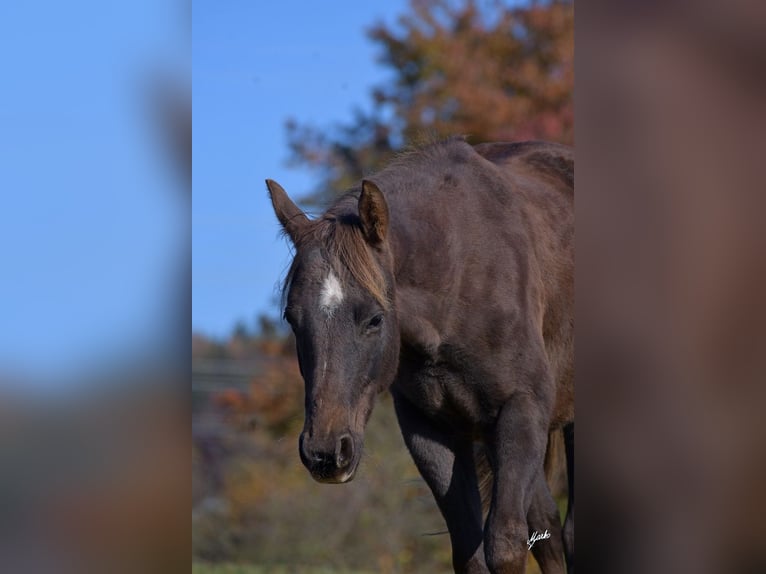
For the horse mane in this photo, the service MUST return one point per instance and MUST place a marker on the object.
(429, 151)
(339, 234)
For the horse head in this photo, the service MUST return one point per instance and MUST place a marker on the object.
(340, 304)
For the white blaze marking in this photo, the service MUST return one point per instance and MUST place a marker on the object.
(331, 296)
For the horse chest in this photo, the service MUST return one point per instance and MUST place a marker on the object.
(444, 392)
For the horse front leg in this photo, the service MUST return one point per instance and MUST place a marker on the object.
(518, 448)
(446, 463)
(544, 517)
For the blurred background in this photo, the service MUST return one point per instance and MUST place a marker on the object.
(95, 179)
(96, 224)
(316, 98)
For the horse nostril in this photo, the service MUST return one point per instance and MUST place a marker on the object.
(313, 457)
(322, 458)
(344, 451)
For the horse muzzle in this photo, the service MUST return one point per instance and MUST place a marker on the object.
(331, 460)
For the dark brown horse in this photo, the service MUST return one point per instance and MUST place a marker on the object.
(448, 279)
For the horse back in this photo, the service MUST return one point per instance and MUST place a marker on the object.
(554, 162)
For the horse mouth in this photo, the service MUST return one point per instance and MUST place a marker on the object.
(346, 476)
(330, 465)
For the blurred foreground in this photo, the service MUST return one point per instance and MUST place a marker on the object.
(95, 165)
(95, 483)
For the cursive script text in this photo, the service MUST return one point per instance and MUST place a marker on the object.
(535, 537)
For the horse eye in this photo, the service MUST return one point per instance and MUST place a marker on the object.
(375, 322)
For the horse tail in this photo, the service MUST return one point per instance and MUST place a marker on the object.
(484, 476)
(555, 463)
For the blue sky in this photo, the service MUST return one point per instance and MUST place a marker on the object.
(255, 65)
(92, 220)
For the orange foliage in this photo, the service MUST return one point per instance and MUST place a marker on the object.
(489, 71)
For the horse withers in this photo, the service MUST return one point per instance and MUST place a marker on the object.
(447, 278)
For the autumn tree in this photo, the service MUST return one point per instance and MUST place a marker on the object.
(487, 70)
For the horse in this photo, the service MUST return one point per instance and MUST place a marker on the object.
(447, 278)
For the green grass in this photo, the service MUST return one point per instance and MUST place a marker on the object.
(202, 568)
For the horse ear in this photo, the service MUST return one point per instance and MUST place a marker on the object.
(373, 211)
(292, 219)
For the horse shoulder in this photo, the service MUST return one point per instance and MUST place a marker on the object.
(417, 330)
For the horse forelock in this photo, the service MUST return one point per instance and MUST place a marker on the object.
(341, 239)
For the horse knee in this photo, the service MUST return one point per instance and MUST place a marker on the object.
(510, 560)
(475, 565)
(506, 554)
